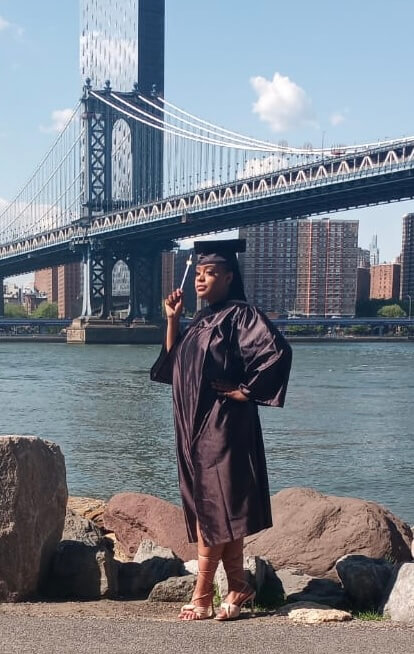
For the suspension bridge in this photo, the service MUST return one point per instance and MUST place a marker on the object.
(130, 173)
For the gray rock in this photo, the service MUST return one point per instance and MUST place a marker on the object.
(399, 596)
(83, 572)
(81, 529)
(300, 587)
(175, 589)
(33, 497)
(155, 564)
(364, 580)
(191, 567)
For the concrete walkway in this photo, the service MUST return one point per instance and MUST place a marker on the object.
(60, 634)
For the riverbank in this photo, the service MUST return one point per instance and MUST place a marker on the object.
(61, 338)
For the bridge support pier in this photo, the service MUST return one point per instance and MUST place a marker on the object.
(145, 286)
(1, 298)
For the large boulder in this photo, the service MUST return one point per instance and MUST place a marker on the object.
(33, 497)
(311, 531)
(364, 580)
(134, 517)
(399, 596)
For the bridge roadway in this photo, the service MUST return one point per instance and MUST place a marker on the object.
(341, 183)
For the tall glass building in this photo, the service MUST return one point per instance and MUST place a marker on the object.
(123, 41)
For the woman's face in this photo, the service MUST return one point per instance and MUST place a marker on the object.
(212, 282)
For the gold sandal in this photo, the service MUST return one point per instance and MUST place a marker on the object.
(201, 612)
(232, 611)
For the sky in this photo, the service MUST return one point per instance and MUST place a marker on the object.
(318, 72)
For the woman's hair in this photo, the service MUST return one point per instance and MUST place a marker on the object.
(236, 289)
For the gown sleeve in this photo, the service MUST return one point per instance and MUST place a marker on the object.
(162, 370)
(266, 358)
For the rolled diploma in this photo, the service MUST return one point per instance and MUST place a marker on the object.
(187, 268)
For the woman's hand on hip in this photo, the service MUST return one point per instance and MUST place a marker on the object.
(174, 304)
(227, 389)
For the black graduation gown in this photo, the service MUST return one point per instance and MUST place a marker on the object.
(221, 461)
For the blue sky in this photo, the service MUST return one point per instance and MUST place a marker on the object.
(345, 67)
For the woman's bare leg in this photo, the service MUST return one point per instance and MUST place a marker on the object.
(232, 557)
(208, 560)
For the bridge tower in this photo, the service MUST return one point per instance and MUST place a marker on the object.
(136, 35)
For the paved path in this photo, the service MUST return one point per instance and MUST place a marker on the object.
(28, 634)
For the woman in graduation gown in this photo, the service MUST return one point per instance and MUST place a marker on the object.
(227, 362)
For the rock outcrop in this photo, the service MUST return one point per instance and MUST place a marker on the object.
(174, 589)
(300, 587)
(33, 496)
(311, 531)
(399, 596)
(364, 580)
(88, 507)
(134, 517)
(83, 572)
(81, 529)
(313, 613)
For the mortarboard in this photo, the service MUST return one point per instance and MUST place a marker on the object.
(219, 251)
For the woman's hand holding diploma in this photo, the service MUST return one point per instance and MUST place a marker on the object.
(173, 308)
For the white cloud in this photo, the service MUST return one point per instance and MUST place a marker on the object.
(282, 103)
(4, 24)
(337, 118)
(262, 166)
(60, 117)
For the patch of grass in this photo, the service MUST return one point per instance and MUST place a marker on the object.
(216, 597)
(369, 616)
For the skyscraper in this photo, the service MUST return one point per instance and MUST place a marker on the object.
(302, 266)
(327, 264)
(407, 258)
(374, 251)
(269, 265)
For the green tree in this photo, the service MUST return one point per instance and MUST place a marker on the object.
(14, 310)
(391, 311)
(46, 310)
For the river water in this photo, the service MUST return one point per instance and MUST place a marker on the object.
(347, 428)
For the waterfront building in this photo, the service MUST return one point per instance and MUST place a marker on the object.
(327, 264)
(306, 267)
(269, 265)
(46, 283)
(374, 251)
(407, 258)
(385, 281)
(364, 258)
(62, 286)
(363, 284)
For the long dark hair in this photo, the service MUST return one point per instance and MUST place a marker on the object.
(236, 289)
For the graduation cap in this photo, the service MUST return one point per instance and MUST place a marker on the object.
(219, 251)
